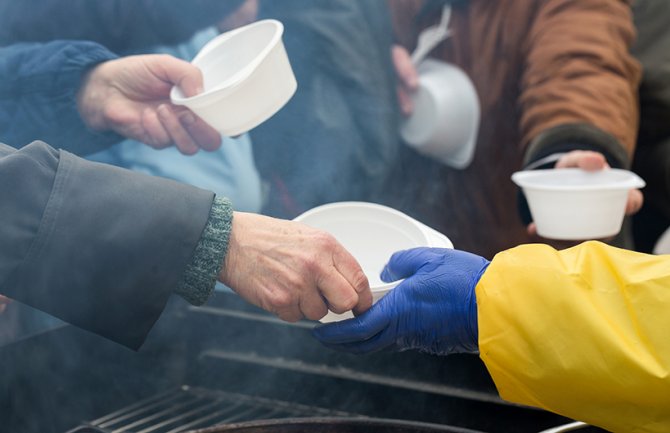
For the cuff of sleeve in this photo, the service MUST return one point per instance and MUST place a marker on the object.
(577, 136)
(43, 92)
(472, 322)
(199, 279)
(79, 132)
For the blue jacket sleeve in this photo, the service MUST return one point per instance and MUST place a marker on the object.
(38, 87)
(120, 25)
(97, 246)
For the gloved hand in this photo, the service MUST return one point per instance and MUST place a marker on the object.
(433, 310)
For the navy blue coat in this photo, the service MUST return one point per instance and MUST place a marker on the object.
(120, 25)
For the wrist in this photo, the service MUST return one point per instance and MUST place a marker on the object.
(200, 275)
(91, 96)
(226, 274)
(472, 327)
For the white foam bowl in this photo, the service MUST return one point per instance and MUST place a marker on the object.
(371, 233)
(445, 121)
(574, 204)
(247, 78)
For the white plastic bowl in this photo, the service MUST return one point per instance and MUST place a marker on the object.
(371, 233)
(445, 121)
(574, 204)
(247, 78)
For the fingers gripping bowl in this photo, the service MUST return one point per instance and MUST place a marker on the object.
(371, 233)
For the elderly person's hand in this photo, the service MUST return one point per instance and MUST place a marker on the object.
(292, 270)
(131, 96)
(433, 310)
(592, 161)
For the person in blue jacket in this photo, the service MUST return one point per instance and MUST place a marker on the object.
(103, 248)
(228, 171)
(146, 27)
(120, 25)
(135, 28)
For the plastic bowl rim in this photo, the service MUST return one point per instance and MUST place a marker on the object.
(229, 85)
(521, 178)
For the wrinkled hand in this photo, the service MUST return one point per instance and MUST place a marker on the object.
(434, 310)
(4, 301)
(408, 78)
(292, 270)
(591, 161)
(131, 96)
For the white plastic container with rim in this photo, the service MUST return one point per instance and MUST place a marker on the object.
(371, 233)
(247, 78)
(575, 204)
(444, 124)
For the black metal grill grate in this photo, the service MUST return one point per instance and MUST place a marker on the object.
(190, 408)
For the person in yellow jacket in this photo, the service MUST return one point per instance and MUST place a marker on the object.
(583, 332)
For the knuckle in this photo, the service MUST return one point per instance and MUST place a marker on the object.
(326, 240)
(297, 283)
(292, 315)
(280, 299)
(350, 302)
(157, 142)
(310, 265)
(316, 313)
(347, 303)
(360, 281)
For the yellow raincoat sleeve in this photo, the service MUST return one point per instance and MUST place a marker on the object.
(583, 332)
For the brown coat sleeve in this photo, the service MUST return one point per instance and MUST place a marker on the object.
(580, 83)
(403, 14)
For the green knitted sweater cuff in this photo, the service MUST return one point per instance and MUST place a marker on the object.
(199, 279)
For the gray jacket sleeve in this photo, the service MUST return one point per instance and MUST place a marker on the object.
(97, 246)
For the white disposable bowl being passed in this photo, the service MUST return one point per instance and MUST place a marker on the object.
(371, 233)
(247, 78)
(574, 204)
(445, 121)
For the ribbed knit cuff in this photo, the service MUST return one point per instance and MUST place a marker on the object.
(197, 283)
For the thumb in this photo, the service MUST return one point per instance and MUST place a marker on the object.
(180, 73)
(405, 263)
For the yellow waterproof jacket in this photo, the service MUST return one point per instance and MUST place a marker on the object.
(583, 332)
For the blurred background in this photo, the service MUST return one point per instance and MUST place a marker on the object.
(549, 77)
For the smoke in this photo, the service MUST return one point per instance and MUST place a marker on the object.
(337, 139)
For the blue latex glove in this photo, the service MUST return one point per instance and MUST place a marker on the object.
(434, 310)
